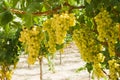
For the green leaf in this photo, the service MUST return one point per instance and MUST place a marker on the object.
(28, 18)
(2, 53)
(15, 2)
(88, 1)
(65, 8)
(43, 9)
(89, 10)
(68, 38)
(34, 6)
(117, 47)
(6, 17)
(59, 46)
(80, 69)
(72, 2)
(89, 67)
(118, 7)
(6, 3)
(1, 6)
(81, 19)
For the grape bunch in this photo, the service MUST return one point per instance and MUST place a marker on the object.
(57, 28)
(114, 69)
(107, 30)
(87, 43)
(31, 39)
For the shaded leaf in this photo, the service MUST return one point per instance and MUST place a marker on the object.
(6, 17)
(89, 67)
(34, 6)
(59, 46)
(15, 2)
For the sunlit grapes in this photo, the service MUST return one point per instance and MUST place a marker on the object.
(31, 39)
(57, 28)
(107, 30)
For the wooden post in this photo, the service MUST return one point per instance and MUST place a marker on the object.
(89, 77)
(40, 63)
(60, 58)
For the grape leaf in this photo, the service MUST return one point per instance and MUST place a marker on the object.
(88, 1)
(6, 18)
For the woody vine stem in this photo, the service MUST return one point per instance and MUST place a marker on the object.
(54, 10)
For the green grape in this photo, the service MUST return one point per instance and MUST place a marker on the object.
(97, 69)
(89, 48)
(31, 39)
(99, 58)
(113, 69)
(103, 22)
(87, 43)
(5, 72)
(57, 28)
(107, 30)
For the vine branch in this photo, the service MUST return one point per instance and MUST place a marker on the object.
(55, 10)
(106, 74)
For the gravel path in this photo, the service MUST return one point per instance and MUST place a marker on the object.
(66, 71)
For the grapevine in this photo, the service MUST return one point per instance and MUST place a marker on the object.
(9, 47)
(93, 24)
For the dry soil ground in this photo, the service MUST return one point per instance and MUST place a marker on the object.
(71, 61)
